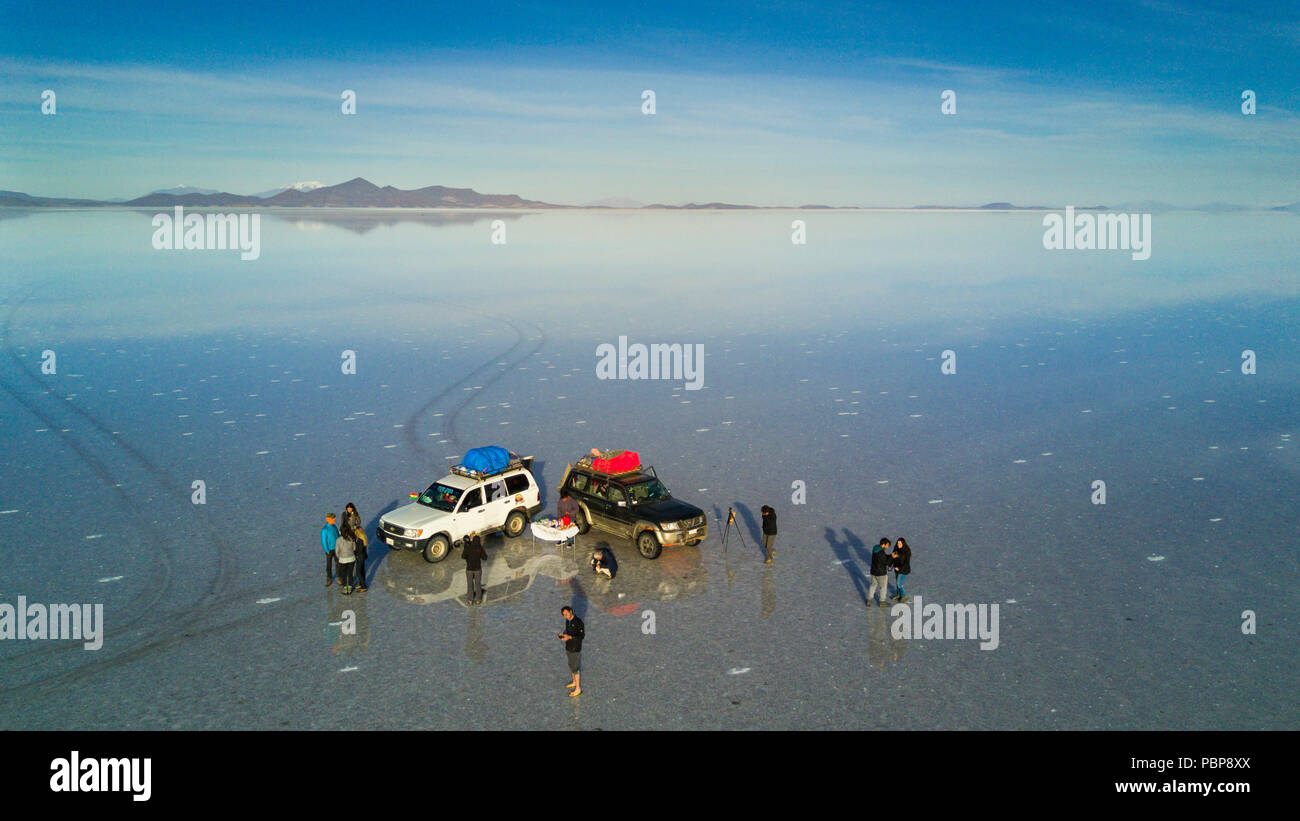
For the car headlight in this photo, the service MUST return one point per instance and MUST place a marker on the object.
(672, 526)
(412, 533)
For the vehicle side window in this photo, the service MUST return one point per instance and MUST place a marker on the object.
(578, 481)
(496, 490)
(517, 483)
(471, 500)
(616, 495)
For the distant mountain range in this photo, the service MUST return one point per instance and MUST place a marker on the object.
(615, 202)
(355, 193)
(361, 193)
(181, 190)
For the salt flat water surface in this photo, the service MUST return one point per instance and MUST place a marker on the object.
(822, 372)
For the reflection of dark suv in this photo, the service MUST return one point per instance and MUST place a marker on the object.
(633, 505)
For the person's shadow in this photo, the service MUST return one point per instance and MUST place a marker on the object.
(579, 599)
(376, 550)
(863, 552)
(736, 535)
(843, 551)
(539, 466)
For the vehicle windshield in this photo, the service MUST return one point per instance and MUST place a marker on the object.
(648, 492)
(440, 497)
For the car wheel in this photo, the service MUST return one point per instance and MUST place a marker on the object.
(515, 523)
(582, 523)
(437, 549)
(693, 542)
(648, 545)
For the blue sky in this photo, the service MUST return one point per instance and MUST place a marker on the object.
(767, 103)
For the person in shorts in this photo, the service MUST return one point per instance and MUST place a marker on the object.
(572, 638)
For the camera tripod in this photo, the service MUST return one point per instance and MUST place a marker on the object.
(726, 531)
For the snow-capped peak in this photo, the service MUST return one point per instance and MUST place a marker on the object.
(293, 186)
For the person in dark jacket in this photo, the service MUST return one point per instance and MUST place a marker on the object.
(474, 554)
(568, 506)
(604, 563)
(902, 566)
(574, 631)
(329, 536)
(880, 564)
(353, 520)
(769, 533)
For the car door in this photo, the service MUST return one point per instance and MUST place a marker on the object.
(590, 490)
(498, 503)
(620, 510)
(472, 513)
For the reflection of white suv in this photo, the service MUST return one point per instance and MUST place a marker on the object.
(462, 501)
(501, 582)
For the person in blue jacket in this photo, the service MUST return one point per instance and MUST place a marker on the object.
(329, 535)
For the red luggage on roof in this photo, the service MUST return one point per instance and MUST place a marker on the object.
(624, 462)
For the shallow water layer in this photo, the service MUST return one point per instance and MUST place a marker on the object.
(822, 367)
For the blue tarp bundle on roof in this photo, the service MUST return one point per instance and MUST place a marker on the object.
(487, 460)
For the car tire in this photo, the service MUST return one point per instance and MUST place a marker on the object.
(647, 545)
(693, 542)
(515, 524)
(583, 523)
(437, 549)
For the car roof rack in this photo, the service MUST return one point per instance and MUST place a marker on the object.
(516, 462)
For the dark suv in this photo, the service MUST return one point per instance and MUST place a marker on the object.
(633, 505)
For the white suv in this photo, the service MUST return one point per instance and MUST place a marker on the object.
(462, 501)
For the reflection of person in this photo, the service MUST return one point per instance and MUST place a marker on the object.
(473, 553)
(603, 562)
(345, 550)
(902, 566)
(882, 648)
(878, 644)
(768, 599)
(475, 647)
(352, 519)
(329, 535)
(574, 631)
(349, 625)
(568, 506)
(769, 533)
(880, 563)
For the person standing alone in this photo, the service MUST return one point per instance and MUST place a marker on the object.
(880, 564)
(769, 533)
(474, 554)
(329, 536)
(574, 630)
